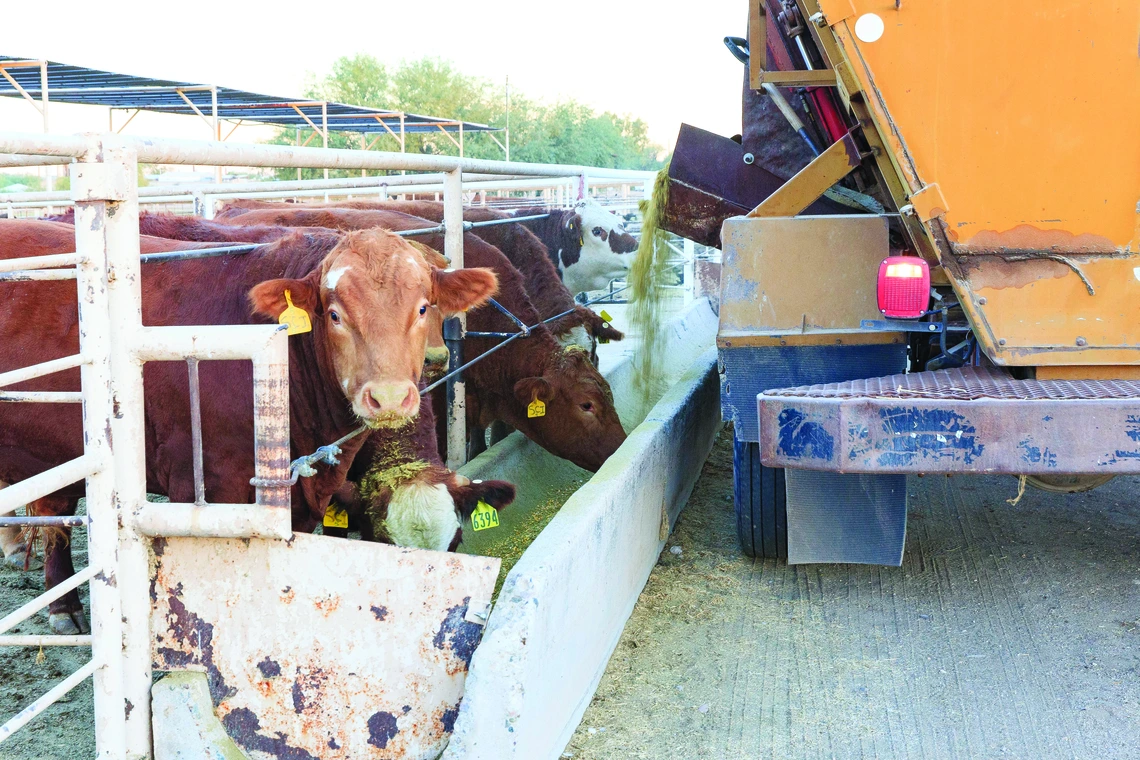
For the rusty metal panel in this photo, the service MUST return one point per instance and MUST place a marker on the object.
(963, 420)
(773, 282)
(320, 647)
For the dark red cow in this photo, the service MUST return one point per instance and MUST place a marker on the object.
(579, 423)
(367, 294)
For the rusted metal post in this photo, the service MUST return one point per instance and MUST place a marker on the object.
(106, 212)
(456, 388)
(112, 187)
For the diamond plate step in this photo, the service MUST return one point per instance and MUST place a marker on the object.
(972, 419)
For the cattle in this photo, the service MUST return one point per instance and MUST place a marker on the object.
(423, 471)
(193, 228)
(579, 423)
(367, 295)
(14, 547)
(525, 251)
(588, 244)
(399, 491)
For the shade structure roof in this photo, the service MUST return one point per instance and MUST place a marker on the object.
(77, 84)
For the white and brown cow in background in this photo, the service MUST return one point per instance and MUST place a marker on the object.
(587, 244)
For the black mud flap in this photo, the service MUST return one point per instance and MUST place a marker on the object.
(835, 517)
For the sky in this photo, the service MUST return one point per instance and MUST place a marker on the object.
(662, 61)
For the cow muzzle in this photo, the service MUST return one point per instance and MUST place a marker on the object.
(388, 404)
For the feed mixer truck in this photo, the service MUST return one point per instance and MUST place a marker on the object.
(931, 257)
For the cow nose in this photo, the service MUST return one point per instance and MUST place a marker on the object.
(391, 398)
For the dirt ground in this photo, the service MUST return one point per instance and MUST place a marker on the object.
(66, 731)
(1009, 631)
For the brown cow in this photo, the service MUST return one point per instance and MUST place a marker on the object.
(544, 285)
(580, 422)
(367, 295)
(413, 448)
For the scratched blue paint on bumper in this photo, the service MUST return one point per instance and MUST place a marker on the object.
(823, 428)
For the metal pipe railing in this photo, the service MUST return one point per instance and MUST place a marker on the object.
(39, 370)
(200, 152)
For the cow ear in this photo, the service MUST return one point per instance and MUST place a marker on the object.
(455, 290)
(530, 388)
(268, 297)
(434, 257)
(572, 222)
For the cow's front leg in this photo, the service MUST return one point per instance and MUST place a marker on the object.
(65, 615)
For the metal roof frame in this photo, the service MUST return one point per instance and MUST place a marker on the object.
(39, 81)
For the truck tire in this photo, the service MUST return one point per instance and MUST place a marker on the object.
(1067, 483)
(760, 498)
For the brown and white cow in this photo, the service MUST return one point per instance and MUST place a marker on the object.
(588, 244)
(580, 422)
(399, 491)
(367, 295)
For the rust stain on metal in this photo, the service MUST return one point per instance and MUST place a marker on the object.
(996, 272)
(320, 678)
(1027, 239)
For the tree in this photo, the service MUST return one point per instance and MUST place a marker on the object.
(565, 132)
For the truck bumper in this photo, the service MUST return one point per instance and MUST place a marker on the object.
(969, 420)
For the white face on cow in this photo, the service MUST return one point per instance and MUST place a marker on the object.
(607, 249)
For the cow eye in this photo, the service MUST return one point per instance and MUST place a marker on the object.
(586, 407)
(334, 317)
(597, 232)
(423, 310)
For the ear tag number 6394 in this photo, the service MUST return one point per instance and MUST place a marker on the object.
(484, 517)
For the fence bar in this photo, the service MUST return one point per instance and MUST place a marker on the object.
(55, 592)
(59, 690)
(49, 481)
(42, 397)
(454, 327)
(39, 370)
(45, 640)
(12, 159)
(43, 521)
(198, 253)
(201, 152)
(196, 433)
(213, 521)
(271, 435)
(41, 262)
(24, 275)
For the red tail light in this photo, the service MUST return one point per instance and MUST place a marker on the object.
(904, 287)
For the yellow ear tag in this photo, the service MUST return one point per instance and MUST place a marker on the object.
(335, 518)
(295, 318)
(484, 517)
(536, 408)
(605, 317)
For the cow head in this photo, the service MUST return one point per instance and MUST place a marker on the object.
(580, 422)
(369, 305)
(606, 249)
